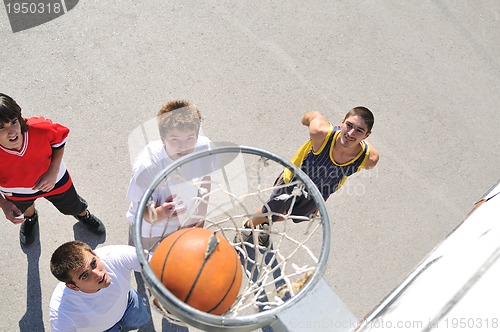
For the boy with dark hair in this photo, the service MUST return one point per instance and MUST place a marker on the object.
(94, 292)
(31, 167)
(330, 156)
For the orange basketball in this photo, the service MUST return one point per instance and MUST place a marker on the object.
(200, 267)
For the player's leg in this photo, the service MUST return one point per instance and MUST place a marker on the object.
(256, 220)
(27, 233)
(278, 204)
(172, 327)
(304, 209)
(275, 203)
(70, 203)
(30, 211)
(136, 315)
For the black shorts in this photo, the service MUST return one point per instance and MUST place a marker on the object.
(68, 203)
(281, 201)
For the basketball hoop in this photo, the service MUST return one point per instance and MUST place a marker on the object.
(276, 276)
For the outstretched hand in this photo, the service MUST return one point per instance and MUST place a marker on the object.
(167, 209)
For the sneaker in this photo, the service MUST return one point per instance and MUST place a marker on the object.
(247, 236)
(264, 234)
(92, 223)
(27, 231)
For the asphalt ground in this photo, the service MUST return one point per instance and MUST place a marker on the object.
(429, 70)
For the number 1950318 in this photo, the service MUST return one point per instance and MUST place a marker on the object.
(34, 8)
(471, 323)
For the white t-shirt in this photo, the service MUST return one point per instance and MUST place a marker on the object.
(152, 160)
(72, 310)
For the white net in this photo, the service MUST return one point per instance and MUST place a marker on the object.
(224, 188)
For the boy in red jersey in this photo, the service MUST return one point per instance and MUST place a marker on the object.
(31, 167)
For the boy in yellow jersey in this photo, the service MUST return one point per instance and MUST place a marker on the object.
(328, 158)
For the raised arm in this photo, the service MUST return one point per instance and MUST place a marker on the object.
(318, 128)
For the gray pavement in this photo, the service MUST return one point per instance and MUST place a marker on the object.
(429, 70)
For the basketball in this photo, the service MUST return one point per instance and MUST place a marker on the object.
(200, 267)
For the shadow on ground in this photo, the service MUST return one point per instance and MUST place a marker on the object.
(32, 320)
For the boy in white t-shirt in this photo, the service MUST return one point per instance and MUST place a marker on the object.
(94, 293)
(171, 206)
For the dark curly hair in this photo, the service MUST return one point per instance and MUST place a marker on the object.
(10, 110)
